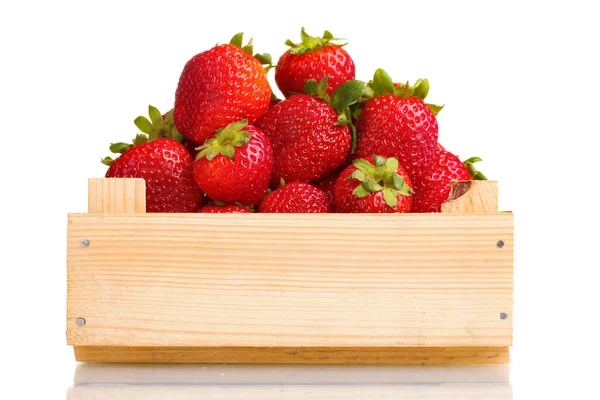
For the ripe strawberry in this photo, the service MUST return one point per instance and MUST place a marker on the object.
(328, 186)
(375, 185)
(296, 197)
(434, 189)
(398, 123)
(235, 165)
(220, 86)
(213, 208)
(310, 138)
(314, 58)
(166, 166)
(158, 158)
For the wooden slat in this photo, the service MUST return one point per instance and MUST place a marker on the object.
(306, 355)
(411, 280)
(116, 195)
(472, 197)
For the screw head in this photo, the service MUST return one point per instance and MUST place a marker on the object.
(85, 243)
(500, 244)
(503, 315)
(80, 321)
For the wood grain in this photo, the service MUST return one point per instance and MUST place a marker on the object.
(116, 195)
(305, 355)
(264, 280)
(472, 197)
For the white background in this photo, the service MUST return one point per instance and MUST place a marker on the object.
(520, 81)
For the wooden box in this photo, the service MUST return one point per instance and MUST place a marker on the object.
(290, 288)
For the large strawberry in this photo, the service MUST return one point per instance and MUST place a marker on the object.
(235, 165)
(225, 209)
(310, 137)
(313, 58)
(374, 185)
(296, 197)
(164, 163)
(434, 189)
(217, 87)
(398, 123)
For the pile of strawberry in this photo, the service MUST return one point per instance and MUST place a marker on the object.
(334, 144)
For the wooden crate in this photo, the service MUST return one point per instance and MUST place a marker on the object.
(290, 288)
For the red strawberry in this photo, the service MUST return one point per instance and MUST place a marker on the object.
(220, 86)
(434, 189)
(235, 166)
(234, 209)
(314, 58)
(310, 138)
(375, 185)
(398, 123)
(296, 197)
(166, 166)
(328, 186)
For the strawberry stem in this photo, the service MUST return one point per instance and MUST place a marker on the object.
(473, 172)
(310, 43)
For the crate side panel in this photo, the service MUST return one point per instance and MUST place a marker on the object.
(295, 280)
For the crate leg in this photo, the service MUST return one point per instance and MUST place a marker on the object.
(116, 195)
(472, 197)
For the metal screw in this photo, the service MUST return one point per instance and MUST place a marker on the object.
(85, 243)
(80, 322)
(500, 243)
(503, 315)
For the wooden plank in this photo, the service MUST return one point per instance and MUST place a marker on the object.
(250, 280)
(472, 197)
(306, 355)
(116, 195)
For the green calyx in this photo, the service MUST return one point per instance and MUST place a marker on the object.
(154, 128)
(380, 177)
(345, 100)
(265, 58)
(473, 172)
(309, 43)
(382, 84)
(225, 141)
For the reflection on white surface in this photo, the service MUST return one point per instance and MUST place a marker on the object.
(218, 381)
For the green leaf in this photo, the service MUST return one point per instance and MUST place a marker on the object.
(248, 49)
(354, 138)
(390, 198)
(382, 83)
(363, 165)
(406, 190)
(398, 181)
(228, 151)
(346, 94)
(391, 165)
(322, 89)
(155, 116)
(372, 186)
(140, 138)
(360, 191)
(211, 153)
(305, 37)
(421, 89)
(310, 87)
(241, 139)
(264, 58)
(237, 39)
(327, 35)
(379, 161)
(472, 160)
(120, 148)
(143, 125)
(107, 161)
(435, 109)
(358, 175)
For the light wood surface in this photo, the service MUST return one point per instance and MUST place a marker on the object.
(285, 281)
(305, 355)
(116, 195)
(472, 197)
